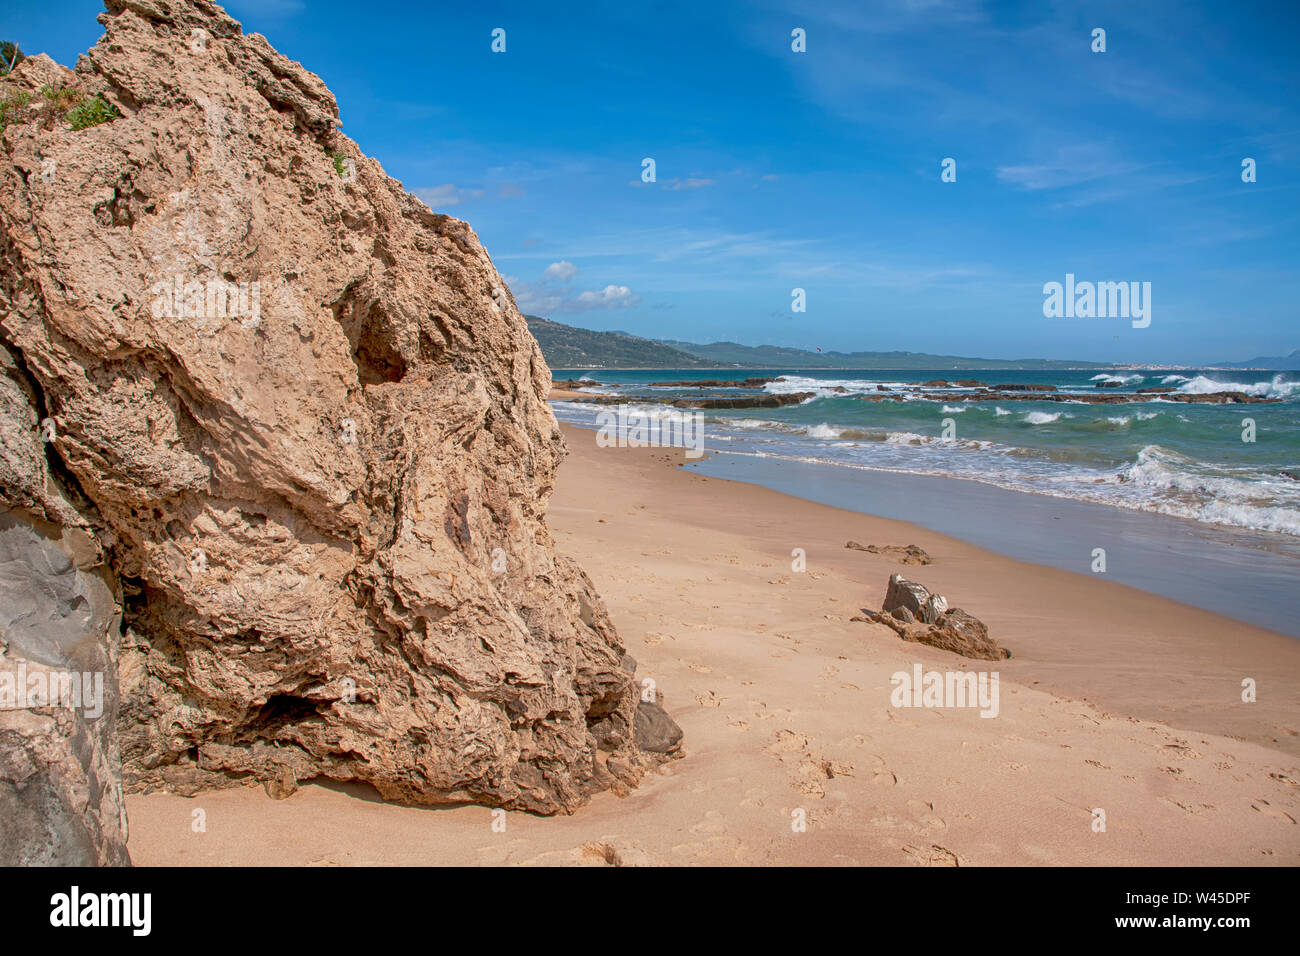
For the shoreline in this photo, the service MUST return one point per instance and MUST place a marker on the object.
(1115, 700)
(1247, 576)
(1081, 636)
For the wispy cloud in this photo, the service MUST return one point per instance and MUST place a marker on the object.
(446, 195)
(1070, 166)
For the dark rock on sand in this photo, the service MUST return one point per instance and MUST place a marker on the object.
(654, 731)
(905, 593)
(903, 554)
(949, 629)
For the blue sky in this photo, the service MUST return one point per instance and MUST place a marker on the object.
(821, 170)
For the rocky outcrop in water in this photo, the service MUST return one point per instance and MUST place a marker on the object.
(306, 431)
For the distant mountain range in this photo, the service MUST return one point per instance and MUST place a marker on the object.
(775, 356)
(1279, 362)
(565, 346)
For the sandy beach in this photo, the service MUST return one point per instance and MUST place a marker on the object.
(1114, 700)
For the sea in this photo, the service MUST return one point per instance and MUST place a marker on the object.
(1228, 474)
(1152, 454)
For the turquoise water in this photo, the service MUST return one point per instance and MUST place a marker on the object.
(1149, 453)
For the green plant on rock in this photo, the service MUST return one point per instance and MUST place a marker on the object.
(91, 112)
(340, 161)
(60, 99)
(11, 104)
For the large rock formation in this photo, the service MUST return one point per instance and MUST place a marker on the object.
(306, 425)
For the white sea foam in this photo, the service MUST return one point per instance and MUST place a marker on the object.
(905, 438)
(1192, 489)
(1276, 388)
(824, 431)
(824, 388)
(1041, 418)
(1123, 379)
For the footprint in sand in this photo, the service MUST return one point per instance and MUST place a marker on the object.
(738, 725)
(712, 823)
(881, 775)
(701, 668)
(924, 817)
(932, 855)
(726, 848)
(611, 851)
(815, 770)
(712, 700)
(787, 741)
(1264, 807)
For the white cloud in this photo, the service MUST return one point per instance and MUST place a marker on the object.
(536, 299)
(562, 271)
(611, 297)
(691, 183)
(448, 194)
(1070, 166)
